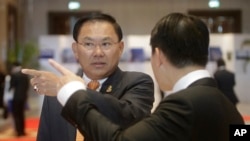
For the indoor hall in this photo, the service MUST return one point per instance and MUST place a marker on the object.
(48, 24)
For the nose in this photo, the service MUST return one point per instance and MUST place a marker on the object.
(98, 51)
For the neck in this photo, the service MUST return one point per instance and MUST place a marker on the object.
(175, 74)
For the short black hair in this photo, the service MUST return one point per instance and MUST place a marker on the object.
(16, 63)
(220, 62)
(96, 16)
(184, 39)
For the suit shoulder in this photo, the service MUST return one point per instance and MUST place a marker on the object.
(136, 75)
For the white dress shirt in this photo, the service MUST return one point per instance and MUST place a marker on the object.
(188, 79)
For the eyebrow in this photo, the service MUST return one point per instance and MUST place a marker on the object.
(103, 39)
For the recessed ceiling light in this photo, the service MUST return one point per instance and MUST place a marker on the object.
(214, 3)
(73, 5)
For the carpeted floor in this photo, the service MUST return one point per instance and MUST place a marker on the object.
(247, 119)
(31, 131)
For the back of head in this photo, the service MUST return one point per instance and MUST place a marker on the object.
(96, 16)
(220, 62)
(184, 39)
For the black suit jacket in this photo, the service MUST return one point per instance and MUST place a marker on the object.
(226, 82)
(124, 98)
(199, 113)
(20, 83)
(2, 84)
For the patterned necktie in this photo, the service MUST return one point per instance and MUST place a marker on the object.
(93, 85)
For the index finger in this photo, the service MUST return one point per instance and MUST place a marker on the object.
(31, 72)
(59, 67)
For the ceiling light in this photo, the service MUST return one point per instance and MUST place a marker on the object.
(73, 5)
(214, 3)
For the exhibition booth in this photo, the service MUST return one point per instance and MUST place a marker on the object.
(234, 48)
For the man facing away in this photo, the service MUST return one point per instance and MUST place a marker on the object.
(19, 82)
(226, 81)
(195, 110)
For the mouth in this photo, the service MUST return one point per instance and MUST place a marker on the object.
(98, 64)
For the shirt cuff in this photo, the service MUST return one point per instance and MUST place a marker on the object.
(69, 89)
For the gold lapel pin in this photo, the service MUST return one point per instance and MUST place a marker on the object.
(109, 89)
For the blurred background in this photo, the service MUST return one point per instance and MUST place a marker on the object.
(33, 30)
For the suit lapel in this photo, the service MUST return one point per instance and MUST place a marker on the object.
(112, 83)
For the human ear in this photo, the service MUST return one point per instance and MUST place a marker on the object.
(74, 48)
(158, 59)
(121, 47)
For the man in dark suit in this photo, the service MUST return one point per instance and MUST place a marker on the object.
(195, 110)
(123, 97)
(226, 81)
(19, 82)
(3, 106)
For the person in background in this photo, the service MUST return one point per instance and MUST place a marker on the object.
(3, 105)
(123, 97)
(226, 81)
(19, 82)
(195, 110)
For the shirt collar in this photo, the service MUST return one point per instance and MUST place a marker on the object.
(189, 78)
(221, 68)
(87, 80)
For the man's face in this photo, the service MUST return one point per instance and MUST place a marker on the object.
(98, 49)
